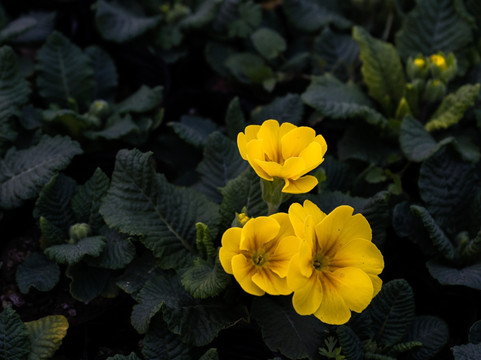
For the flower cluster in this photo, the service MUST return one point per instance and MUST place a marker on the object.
(327, 261)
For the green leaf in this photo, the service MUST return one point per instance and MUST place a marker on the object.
(205, 13)
(248, 68)
(64, 72)
(73, 253)
(446, 185)
(46, 335)
(234, 119)
(118, 252)
(105, 73)
(87, 282)
(350, 343)
(392, 312)
(141, 202)
(37, 271)
(141, 269)
(52, 234)
(381, 69)
(269, 43)
(432, 332)
(475, 333)
(24, 172)
(221, 163)
(17, 27)
(44, 25)
(448, 274)
(117, 22)
(467, 352)
(131, 356)
(86, 202)
(286, 331)
(116, 127)
(376, 211)
(337, 100)
(433, 26)
(309, 15)
(159, 343)
(210, 354)
(247, 18)
(194, 130)
(14, 339)
(440, 241)
(288, 108)
(143, 100)
(14, 89)
(69, 121)
(204, 279)
(453, 107)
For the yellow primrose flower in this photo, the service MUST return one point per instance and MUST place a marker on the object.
(419, 62)
(337, 267)
(287, 152)
(243, 218)
(439, 61)
(259, 253)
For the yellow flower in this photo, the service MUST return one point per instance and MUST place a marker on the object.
(243, 218)
(439, 61)
(259, 253)
(419, 62)
(287, 152)
(337, 267)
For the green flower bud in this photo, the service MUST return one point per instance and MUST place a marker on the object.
(417, 68)
(434, 91)
(99, 109)
(443, 67)
(79, 231)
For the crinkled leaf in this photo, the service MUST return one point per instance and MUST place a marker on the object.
(194, 130)
(37, 271)
(73, 253)
(17, 27)
(143, 100)
(216, 55)
(467, 352)
(87, 282)
(392, 312)
(116, 127)
(268, 42)
(46, 335)
(14, 339)
(350, 343)
(204, 279)
(118, 252)
(288, 108)
(376, 211)
(105, 73)
(416, 143)
(202, 15)
(248, 68)
(142, 202)
(337, 100)
(234, 119)
(141, 269)
(131, 356)
(86, 202)
(432, 332)
(210, 354)
(453, 107)
(338, 175)
(220, 164)
(447, 274)
(45, 24)
(381, 69)
(286, 331)
(64, 71)
(69, 120)
(247, 17)
(24, 172)
(52, 234)
(120, 22)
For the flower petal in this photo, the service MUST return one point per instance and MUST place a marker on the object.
(257, 232)
(307, 299)
(312, 155)
(243, 270)
(271, 283)
(332, 310)
(269, 133)
(356, 227)
(330, 228)
(321, 141)
(230, 247)
(291, 169)
(376, 283)
(255, 153)
(298, 215)
(250, 133)
(280, 259)
(285, 128)
(285, 223)
(359, 253)
(296, 141)
(301, 185)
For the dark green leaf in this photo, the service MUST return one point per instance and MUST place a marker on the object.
(143, 100)
(376, 211)
(432, 332)
(73, 253)
(45, 24)
(118, 22)
(116, 128)
(64, 72)
(288, 108)
(105, 73)
(467, 352)
(118, 252)
(203, 14)
(37, 271)
(204, 279)
(284, 330)
(131, 356)
(350, 343)
(17, 27)
(269, 43)
(248, 68)
(142, 268)
(475, 333)
(194, 130)
(46, 335)
(87, 282)
(52, 234)
(70, 121)
(14, 340)
(234, 119)
(248, 16)
(24, 172)
(447, 274)
(210, 354)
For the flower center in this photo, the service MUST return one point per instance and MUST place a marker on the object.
(320, 262)
(259, 258)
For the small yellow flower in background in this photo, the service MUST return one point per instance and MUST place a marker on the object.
(419, 62)
(337, 267)
(439, 61)
(243, 218)
(283, 151)
(259, 253)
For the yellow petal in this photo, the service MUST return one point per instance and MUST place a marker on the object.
(243, 270)
(271, 283)
(332, 310)
(269, 133)
(307, 299)
(286, 226)
(257, 232)
(255, 153)
(230, 247)
(292, 168)
(330, 228)
(356, 227)
(321, 141)
(312, 155)
(359, 253)
(301, 185)
(296, 141)
(354, 286)
(298, 215)
(285, 128)
(376, 283)
(306, 257)
(280, 259)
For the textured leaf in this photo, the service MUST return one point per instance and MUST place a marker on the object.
(131, 356)
(44, 25)
(143, 100)
(392, 312)
(434, 25)
(376, 211)
(475, 333)
(446, 185)
(116, 127)
(220, 164)
(234, 119)
(248, 68)
(440, 241)
(118, 252)
(284, 330)
(350, 343)
(203, 14)
(141, 202)
(194, 130)
(238, 18)
(117, 22)
(338, 174)
(87, 282)
(269, 43)
(432, 332)
(141, 269)
(69, 120)
(381, 69)
(204, 279)
(288, 108)
(105, 73)
(416, 143)
(467, 352)
(447, 274)
(453, 107)
(24, 172)
(210, 354)
(86, 202)
(17, 27)
(14, 89)
(337, 100)
(37, 271)
(73, 253)
(52, 235)
(14, 339)
(46, 335)
(64, 71)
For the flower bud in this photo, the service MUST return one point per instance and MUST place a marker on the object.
(417, 68)
(99, 109)
(443, 67)
(79, 231)
(435, 90)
